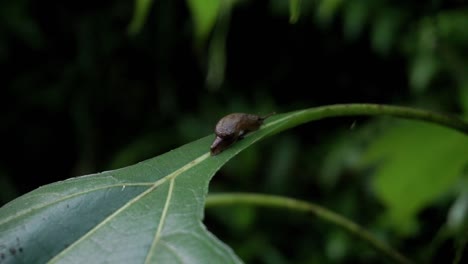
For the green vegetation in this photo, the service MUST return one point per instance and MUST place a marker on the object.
(106, 86)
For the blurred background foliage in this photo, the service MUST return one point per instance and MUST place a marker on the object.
(97, 86)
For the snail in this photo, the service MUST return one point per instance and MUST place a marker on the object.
(233, 127)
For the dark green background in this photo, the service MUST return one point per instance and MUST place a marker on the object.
(80, 95)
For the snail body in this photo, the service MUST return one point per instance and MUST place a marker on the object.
(233, 127)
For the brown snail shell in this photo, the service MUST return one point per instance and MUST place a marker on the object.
(233, 127)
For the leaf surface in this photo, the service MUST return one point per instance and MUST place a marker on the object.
(149, 212)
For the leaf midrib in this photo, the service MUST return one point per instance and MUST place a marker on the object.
(171, 176)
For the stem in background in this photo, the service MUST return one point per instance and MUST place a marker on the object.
(298, 205)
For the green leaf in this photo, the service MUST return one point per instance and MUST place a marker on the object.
(327, 9)
(385, 30)
(294, 10)
(204, 14)
(457, 218)
(356, 15)
(422, 71)
(150, 212)
(140, 13)
(451, 26)
(416, 164)
(217, 58)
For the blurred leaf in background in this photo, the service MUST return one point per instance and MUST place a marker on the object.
(140, 15)
(294, 10)
(415, 164)
(204, 16)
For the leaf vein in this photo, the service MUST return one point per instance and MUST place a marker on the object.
(171, 177)
(157, 235)
(43, 205)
